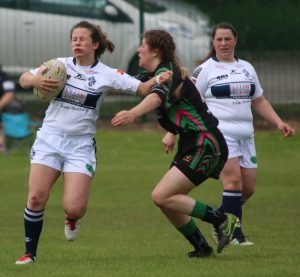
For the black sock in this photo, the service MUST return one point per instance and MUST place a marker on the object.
(192, 233)
(33, 223)
(214, 216)
(197, 240)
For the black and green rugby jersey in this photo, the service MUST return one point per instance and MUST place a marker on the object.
(182, 109)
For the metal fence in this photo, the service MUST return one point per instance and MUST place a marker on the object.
(33, 31)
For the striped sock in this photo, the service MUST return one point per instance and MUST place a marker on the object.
(33, 224)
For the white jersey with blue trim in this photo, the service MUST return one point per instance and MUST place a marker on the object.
(228, 89)
(75, 110)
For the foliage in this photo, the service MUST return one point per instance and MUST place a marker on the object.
(261, 25)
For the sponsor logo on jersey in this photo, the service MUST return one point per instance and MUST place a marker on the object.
(246, 73)
(80, 77)
(222, 77)
(91, 81)
(240, 90)
(74, 95)
(234, 72)
(196, 72)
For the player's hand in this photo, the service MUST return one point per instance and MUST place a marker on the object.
(164, 77)
(42, 83)
(286, 129)
(123, 118)
(169, 141)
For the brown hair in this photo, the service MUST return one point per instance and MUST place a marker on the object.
(221, 25)
(97, 36)
(162, 40)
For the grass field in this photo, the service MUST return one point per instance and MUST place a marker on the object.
(124, 234)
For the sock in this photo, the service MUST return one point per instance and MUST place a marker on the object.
(33, 223)
(199, 210)
(232, 204)
(207, 213)
(192, 233)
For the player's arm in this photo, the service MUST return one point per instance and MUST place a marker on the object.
(163, 78)
(262, 106)
(150, 103)
(6, 99)
(168, 141)
(29, 80)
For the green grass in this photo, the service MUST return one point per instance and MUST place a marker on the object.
(124, 234)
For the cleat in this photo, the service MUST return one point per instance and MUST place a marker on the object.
(26, 259)
(226, 230)
(241, 240)
(72, 228)
(215, 235)
(202, 253)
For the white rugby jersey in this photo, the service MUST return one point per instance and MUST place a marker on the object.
(75, 110)
(228, 89)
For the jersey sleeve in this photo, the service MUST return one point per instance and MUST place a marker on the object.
(201, 80)
(258, 89)
(122, 82)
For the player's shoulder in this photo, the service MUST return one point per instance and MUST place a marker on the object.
(245, 63)
(205, 66)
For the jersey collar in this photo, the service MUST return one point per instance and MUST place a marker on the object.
(93, 65)
(216, 59)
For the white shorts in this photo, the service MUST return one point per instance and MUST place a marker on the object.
(243, 148)
(65, 153)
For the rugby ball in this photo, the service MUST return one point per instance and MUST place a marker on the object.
(56, 70)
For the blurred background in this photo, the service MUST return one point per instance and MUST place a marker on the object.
(33, 31)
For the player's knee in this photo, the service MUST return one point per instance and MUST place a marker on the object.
(36, 201)
(158, 198)
(75, 212)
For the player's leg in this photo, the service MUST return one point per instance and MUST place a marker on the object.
(248, 167)
(75, 201)
(232, 191)
(79, 168)
(249, 183)
(41, 180)
(170, 193)
(188, 228)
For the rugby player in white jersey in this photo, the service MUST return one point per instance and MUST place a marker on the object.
(231, 88)
(65, 143)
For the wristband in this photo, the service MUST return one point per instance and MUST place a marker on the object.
(157, 80)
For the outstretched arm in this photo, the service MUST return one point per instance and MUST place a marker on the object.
(262, 106)
(150, 103)
(163, 78)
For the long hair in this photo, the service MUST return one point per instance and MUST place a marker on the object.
(161, 39)
(97, 36)
(221, 25)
